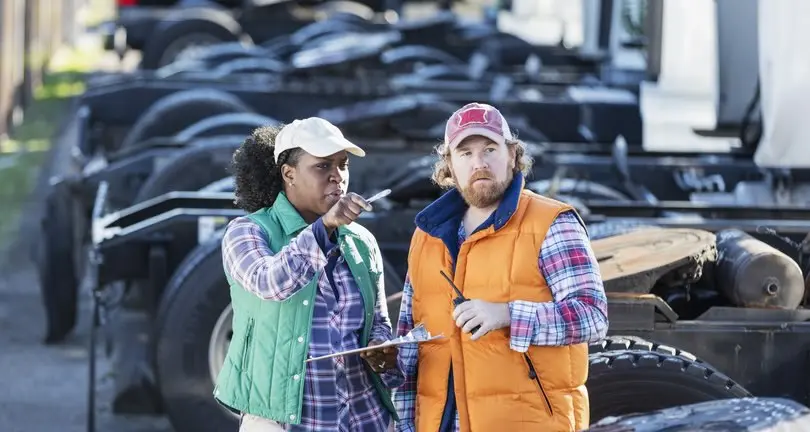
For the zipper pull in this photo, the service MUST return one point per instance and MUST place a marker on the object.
(532, 372)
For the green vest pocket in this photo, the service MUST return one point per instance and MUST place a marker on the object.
(247, 345)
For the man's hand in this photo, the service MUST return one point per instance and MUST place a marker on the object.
(474, 313)
(381, 360)
(345, 211)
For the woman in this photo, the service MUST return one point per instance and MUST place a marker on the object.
(305, 282)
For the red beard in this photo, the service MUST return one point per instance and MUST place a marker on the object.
(484, 194)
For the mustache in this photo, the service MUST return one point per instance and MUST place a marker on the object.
(481, 175)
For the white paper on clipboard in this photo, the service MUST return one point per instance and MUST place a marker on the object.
(417, 335)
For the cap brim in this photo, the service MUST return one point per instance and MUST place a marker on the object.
(332, 145)
(466, 133)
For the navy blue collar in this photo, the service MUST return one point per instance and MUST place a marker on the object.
(445, 213)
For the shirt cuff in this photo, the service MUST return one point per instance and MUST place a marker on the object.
(392, 378)
(319, 231)
(380, 332)
(523, 322)
(405, 426)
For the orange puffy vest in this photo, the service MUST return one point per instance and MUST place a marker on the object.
(492, 385)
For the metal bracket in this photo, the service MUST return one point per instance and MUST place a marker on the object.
(95, 260)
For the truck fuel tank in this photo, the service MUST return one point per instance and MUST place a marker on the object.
(753, 274)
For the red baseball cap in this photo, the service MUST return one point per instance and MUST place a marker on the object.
(476, 119)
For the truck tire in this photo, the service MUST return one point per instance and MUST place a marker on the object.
(191, 168)
(628, 381)
(187, 28)
(740, 415)
(195, 298)
(635, 343)
(612, 228)
(222, 185)
(175, 112)
(240, 123)
(249, 66)
(57, 273)
(580, 188)
(393, 291)
(407, 56)
(394, 303)
(212, 57)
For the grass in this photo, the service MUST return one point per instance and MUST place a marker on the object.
(96, 12)
(23, 152)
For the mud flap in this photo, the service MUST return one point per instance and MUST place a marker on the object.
(57, 273)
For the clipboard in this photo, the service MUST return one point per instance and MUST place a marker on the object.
(417, 335)
(374, 347)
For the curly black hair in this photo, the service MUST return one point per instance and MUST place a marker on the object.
(257, 176)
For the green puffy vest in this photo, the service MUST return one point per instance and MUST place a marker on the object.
(264, 369)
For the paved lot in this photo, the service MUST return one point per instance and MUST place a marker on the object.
(45, 387)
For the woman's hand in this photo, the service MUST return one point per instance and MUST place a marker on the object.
(345, 211)
(381, 360)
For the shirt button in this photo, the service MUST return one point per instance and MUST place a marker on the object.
(301, 339)
(306, 302)
(296, 376)
(292, 416)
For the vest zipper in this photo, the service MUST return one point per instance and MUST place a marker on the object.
(247, 347)
(533, 376)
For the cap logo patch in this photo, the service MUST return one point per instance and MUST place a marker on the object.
(472, 116)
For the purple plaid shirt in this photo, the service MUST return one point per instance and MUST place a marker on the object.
(338, 392)
(577, 315)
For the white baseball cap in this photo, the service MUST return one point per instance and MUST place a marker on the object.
(316, 136)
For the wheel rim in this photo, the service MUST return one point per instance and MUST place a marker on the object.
(220, 341)
(218, 345)
(186, 47)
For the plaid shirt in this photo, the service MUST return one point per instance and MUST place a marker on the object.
(577, 315)
(338, 392)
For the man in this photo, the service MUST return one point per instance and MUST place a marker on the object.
(515, 355)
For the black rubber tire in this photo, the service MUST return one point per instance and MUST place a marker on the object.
(635, 343)
(193, 300)
(212, 57)
(249, 66)
(224, 184)
(191, 168)
(57, 273)
(640, 380)
(225, 124)
(394, 303)
(612, 228)
(738, 415)
(175, 112)
(393, 285)
(209, 23)
(580, 188)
